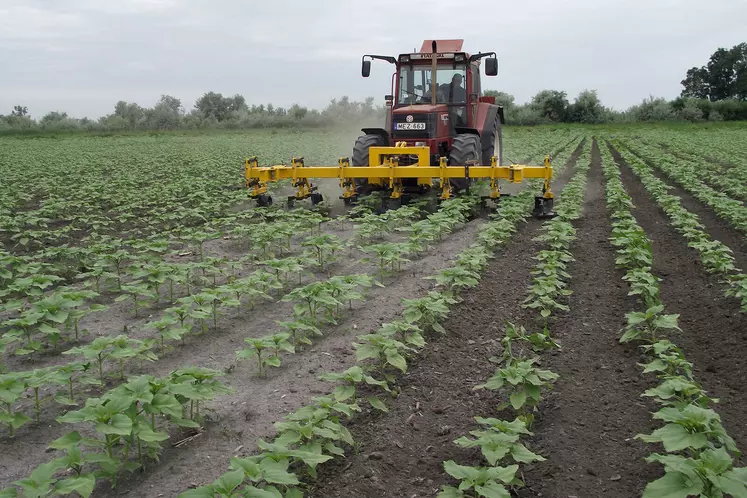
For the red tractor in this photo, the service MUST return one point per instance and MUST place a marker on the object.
(436, 101)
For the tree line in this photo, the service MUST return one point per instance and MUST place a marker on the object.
(211, 111)
(716, 91)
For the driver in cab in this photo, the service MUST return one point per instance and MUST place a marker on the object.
(457, 93)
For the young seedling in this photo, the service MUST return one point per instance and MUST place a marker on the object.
(479, 481)
(523, 382)
(258, 348)
(648, 325)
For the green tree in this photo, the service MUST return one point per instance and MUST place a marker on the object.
(551, 104)
(19, 110)
(587, 108)
(724, 77)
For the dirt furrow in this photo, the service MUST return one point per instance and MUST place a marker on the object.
(713, 330)
(401, 453)
(586, 426)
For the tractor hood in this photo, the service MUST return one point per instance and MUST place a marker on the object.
(420, 121)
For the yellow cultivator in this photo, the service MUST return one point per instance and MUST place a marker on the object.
(384, 173)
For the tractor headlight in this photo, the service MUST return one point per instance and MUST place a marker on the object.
(420, 144)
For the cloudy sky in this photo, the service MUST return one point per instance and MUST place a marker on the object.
(81, 56)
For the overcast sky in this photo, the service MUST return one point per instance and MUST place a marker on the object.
(81, 56)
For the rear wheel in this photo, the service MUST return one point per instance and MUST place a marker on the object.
(361, 155)
(493, 144)
(465, 150)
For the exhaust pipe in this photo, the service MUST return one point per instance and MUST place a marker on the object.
(433, 74)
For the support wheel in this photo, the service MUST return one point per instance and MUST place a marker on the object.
(465, 150)
(264, 200)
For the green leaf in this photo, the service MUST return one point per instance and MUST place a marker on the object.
(230, 481)
(277, 473)
(82, 484)
(166, 404)
(201, 492)
(396, 360)
(518, 399)
(145, 433)
(66, 441)
(270, 492)
(521, 454)
(733, 482)
(273, 361)
(673, 485)
(377, 403)
(458, 471)
(450, 492)
(343, 393)
(675, 438)
(119, 424)
(8, 493)
(492, 490)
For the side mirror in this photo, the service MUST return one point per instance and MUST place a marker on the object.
(366, 69)
(491, 66)
(389, 99)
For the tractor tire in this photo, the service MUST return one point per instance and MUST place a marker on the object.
(465, 149)
(360, 157)
(492, 145)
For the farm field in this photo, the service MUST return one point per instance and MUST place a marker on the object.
(162, 336)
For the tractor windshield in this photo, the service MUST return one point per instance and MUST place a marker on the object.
(415, 84)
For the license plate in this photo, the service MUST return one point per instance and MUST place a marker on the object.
(409, 126)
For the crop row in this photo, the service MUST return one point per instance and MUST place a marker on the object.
(688, 174)
(716, 257)
(725, 146)
(519, 379)
(699, 453)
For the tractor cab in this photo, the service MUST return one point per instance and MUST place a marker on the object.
(436, 96)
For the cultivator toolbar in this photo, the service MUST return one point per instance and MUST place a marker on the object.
(385, 173)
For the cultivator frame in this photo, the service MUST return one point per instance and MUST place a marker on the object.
(384, 171)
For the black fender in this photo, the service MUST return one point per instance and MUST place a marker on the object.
(461, 130)
(377, 131)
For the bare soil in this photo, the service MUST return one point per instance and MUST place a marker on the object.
(594, 410)
(402, 452)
